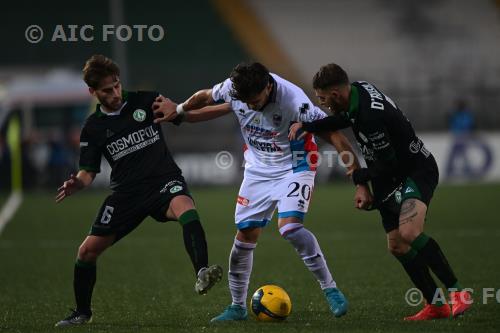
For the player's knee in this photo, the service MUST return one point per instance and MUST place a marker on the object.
(397, 249)
(288, 228)
(408, 235)
(248, 235)
(87, 254)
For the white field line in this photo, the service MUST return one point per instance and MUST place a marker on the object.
(10, 208)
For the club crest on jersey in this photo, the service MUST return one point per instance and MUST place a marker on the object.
(139, 115)
(175, 189)
(277, 119)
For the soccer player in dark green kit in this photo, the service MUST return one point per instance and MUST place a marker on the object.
(403, 175)
(145, 181)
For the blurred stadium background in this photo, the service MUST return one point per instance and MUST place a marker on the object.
(438, 59)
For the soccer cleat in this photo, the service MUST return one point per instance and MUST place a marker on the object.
(430, 312)
(207, 277)
(337, 301)
(461, 301)
(232, 313)
(75, 318)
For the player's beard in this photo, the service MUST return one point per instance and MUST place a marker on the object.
(115, 105)
(337, 108)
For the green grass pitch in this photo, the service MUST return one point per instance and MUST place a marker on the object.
(145, 282)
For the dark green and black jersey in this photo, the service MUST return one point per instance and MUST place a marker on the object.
(385, 136)
(131, 143)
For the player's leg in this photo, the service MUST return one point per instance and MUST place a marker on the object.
(116, 218)
(182, 209)
(417, 194)
(412, 218)
(308, 249)
(240, 269)
(254, 209)
(84, 278)
(411, 261)
(295, 193)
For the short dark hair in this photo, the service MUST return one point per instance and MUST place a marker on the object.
(330, 75)
(97, 68)
(248, 79)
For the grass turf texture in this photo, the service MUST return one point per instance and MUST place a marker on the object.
(145, 282)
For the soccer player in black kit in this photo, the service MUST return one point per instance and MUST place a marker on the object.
(145, 181)
(403, 175)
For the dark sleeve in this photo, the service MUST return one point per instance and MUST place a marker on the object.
(90, 152)
(330, 123)
(145, 98)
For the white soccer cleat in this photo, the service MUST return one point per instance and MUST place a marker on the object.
(207, 278)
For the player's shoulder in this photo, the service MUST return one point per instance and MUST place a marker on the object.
(289, 95)
(374, 105)
(286, 89)
(141, 97)
(221, 92)
(93, 123)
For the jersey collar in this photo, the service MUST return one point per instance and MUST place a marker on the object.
(101, 113)
(353, 101)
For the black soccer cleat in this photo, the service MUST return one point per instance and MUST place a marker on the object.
(75, 318)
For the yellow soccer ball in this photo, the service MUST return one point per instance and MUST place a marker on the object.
(271, 303)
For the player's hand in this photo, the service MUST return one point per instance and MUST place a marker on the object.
(164, 109)
(72, 185)
(294, 129)
(363, 197)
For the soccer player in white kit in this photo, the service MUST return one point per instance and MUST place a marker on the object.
(278, 173)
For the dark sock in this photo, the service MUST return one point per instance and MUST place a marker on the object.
(431, 253)
(194, 239)
(83, 285)
(418, 272)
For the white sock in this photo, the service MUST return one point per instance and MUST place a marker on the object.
(308, 249)
(240, 268)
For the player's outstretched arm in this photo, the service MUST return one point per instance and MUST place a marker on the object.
(74, 184)
(363, 197)
(344, 148)
(207, 113)
(166, 110)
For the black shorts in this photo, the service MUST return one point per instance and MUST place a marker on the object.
(121, 212)
(420, 184)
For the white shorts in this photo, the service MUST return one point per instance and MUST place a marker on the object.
(258, 199)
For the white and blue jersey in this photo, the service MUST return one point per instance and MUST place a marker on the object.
(277, 171)
(268, 152)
